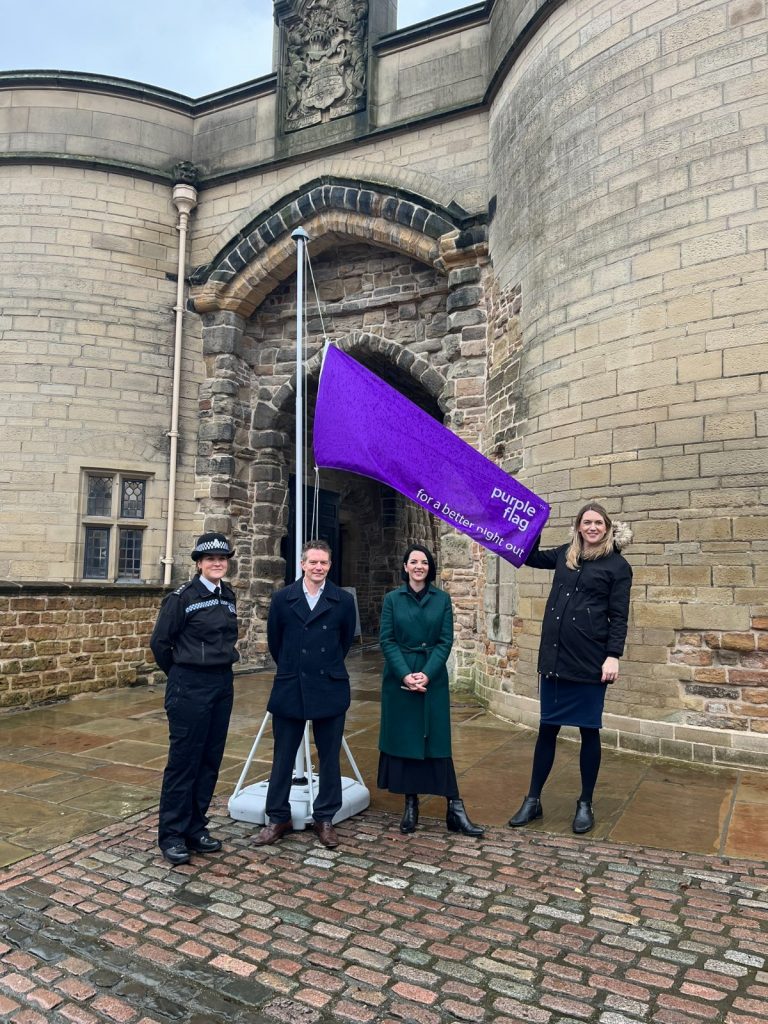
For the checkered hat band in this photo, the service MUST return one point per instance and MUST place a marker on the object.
(213, 545)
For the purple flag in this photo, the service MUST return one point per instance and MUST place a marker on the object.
(365, 426)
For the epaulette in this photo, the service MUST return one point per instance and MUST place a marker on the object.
(184, 586)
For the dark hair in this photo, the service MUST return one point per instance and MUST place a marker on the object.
(316, 545)
(432, 574)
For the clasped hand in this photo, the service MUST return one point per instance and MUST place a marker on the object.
(416, 682)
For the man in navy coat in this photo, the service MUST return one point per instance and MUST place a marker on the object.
(310, 629)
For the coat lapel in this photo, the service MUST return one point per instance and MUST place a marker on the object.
(327, 599)
(416, 606)
(297, 601)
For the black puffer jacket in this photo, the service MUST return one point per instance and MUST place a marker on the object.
(585, 620)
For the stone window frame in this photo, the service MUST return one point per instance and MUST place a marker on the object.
(115, 523)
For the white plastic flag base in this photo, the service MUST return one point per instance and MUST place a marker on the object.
(249, 804)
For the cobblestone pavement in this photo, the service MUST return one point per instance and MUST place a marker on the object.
(74, 768)
(428, 928)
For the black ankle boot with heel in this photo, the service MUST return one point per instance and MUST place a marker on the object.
(410, 814)
(457, 820)
(529, 811)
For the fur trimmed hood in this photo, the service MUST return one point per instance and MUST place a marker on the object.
(622, 535)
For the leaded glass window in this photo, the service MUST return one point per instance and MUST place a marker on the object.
(132, 498)
(96, 560)
(129, 554)
(99, 495)
(113, 549)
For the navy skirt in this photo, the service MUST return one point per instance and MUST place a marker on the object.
(564, 703)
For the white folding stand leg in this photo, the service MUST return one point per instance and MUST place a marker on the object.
(249, 803)
(309, 773)
(352, 762)
(251, 756)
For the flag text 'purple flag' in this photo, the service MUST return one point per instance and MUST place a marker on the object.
(365, 426)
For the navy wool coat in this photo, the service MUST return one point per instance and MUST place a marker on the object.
(416, 636)
(309, 648)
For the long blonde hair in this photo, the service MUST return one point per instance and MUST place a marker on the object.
(576, 552)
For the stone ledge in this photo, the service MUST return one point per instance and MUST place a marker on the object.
(24, 588)
(669, 740)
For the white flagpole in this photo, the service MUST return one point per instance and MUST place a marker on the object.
(249, 803)
(301, 238)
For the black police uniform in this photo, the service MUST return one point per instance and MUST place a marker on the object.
(194, 644)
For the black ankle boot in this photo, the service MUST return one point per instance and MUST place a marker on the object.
(530, 809)
(584, 819)
(456, 819)
(410, 814)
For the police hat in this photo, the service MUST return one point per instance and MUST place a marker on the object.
(211, 544)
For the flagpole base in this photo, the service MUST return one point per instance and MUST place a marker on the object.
(249, 804)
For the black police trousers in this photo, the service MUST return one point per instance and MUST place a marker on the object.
(198, 703)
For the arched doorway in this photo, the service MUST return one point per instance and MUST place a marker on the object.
(407, 300)
(367, 523)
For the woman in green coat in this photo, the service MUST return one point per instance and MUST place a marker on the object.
(416, 637)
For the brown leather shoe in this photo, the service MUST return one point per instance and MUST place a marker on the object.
(326, 833)
(272, 833)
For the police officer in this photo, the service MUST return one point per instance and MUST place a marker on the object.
(194, 644)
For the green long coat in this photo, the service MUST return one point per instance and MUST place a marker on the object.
(416, 636)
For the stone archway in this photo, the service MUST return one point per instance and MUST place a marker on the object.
(432, 266)
(376, 522)
(262, 253)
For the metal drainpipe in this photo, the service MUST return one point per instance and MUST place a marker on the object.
(185, 200)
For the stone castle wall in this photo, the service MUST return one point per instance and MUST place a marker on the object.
(86, 333)
(568, 204)
(57, 641)
(629, 160)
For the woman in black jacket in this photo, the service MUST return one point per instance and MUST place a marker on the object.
(582, 639)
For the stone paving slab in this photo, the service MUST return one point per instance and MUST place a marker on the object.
(421, 929)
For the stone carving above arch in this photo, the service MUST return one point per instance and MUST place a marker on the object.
(259, 257)
(324, 46)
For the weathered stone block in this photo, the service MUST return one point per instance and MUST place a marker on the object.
(705, 529)
(464, 275)
(465, 318)
(750, 528)
(713, 676)
(669, 615)
(217, 431)
(465, 297)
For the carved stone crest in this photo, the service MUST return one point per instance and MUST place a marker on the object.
(325, 51)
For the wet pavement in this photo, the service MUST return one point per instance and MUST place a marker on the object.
(660, 914)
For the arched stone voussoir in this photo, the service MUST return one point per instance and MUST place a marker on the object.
(386, 358)
(249, 268)
(379, 350)
(365, 175)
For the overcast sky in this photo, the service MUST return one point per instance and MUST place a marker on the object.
(192, 47)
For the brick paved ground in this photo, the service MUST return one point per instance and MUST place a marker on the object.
(388, 929)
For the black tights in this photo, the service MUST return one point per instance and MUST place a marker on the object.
(544, 758)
